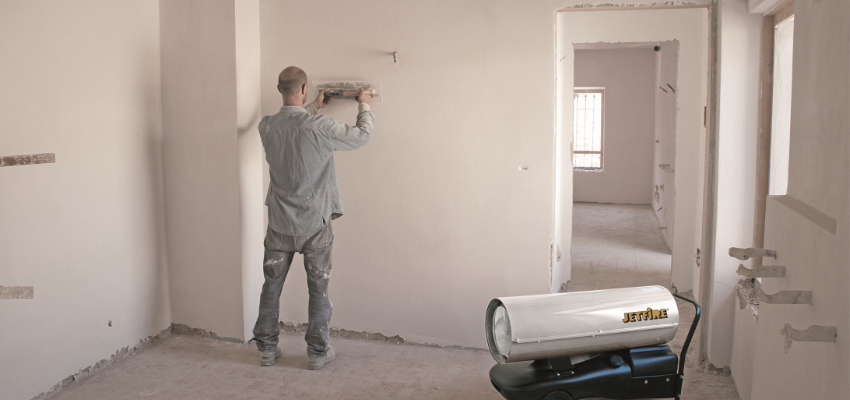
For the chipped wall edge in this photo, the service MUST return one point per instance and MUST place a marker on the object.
(635, 6)
(291, 327)
(103, 364)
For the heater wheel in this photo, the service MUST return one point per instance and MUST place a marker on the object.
(558, 395)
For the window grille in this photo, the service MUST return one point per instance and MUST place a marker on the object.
(588, 118)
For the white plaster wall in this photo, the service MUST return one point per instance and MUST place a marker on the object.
(689, 27)
(628, 76)
(816, 259)
(201, 164)
(739, 71)
(80, 79)
(664, 182)
(744, 347)
(251, 160)
(439, 215)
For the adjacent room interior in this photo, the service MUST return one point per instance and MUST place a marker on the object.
(620, 222)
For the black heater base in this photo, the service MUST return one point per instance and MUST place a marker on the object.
(646, 372)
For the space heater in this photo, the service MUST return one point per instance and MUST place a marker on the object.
(604, 343)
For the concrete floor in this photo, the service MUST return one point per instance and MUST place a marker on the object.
(613, 246)
(190, 367)
(617, 246)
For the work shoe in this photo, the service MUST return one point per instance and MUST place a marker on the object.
(267, 357)
(319, 362)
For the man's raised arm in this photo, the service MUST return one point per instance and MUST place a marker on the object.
(346, 137)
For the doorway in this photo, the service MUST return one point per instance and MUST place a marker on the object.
(679, 169)
(623, 144)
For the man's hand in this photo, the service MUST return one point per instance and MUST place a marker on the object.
(321, 101)
(363, 96)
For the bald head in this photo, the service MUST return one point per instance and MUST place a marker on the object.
(290, 81)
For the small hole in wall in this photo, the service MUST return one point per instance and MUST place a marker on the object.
(109, 323)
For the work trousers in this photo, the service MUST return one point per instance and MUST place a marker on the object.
(280, 250)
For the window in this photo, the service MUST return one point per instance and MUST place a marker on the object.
(780, 135)
(774, 142)
(587, 140)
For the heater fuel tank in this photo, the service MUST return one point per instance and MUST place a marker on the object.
(539, 327)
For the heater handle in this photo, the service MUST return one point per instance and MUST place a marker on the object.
(687, 343)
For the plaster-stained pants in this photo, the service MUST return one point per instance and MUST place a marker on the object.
(280, 250)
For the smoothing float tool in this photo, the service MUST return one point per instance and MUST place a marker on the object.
(345, 89)
(604, 343)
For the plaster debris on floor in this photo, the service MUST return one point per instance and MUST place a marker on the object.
(189, 366)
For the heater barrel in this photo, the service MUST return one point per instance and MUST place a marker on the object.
(540, 327)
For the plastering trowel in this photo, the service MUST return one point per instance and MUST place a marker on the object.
(345, 89)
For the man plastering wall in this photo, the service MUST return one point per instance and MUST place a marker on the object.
(303, 199)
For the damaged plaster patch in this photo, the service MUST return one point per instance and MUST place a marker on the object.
(762, 271)
(747, 291)
(815, 333)
(16, 292)
(786, 297)
(27, 159)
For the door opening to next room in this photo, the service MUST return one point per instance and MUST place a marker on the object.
(623, 144)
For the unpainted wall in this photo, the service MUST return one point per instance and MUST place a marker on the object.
(201, 164)
(451, 204)
(809, 232)
(628, 76)
(738, 110)
(82, 80)
(666, 107)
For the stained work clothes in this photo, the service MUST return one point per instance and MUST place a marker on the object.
(303, 199)
(280, 250)
(299, 148)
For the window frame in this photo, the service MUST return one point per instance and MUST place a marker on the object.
(780, 14)
(601, 151)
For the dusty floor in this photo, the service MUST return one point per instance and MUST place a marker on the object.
(189, 367)
(613, 246)
(621, 246)
(617, 246)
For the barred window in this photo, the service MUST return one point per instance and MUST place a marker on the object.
(588, 117)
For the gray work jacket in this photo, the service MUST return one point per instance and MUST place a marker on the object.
(303, 193)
